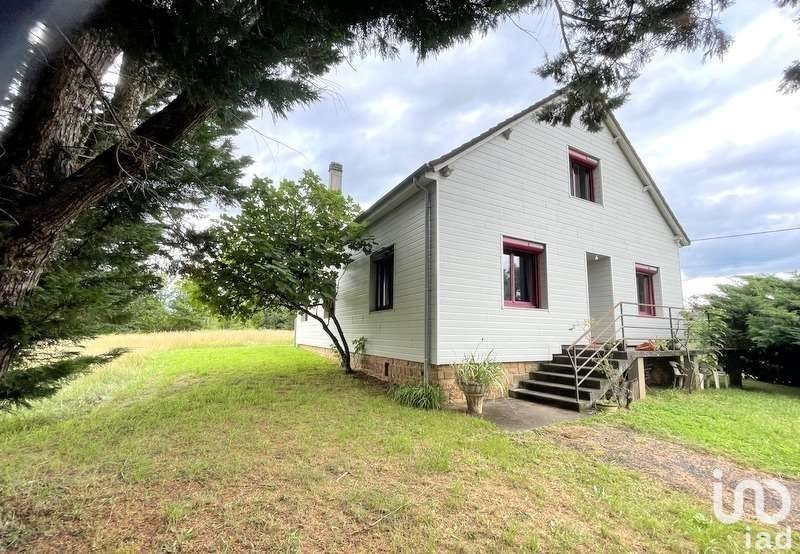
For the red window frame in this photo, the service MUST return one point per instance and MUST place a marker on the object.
(582, 160)
(519, 247)
(646, 304)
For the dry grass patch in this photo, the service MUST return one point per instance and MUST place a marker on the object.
(188, 339)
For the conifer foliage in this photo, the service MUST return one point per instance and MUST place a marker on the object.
(605, 45)
(755, 321)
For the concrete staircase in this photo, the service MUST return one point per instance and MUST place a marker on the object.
(554, 382)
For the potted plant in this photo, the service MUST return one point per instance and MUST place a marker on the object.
(673, 343)
(476, 376)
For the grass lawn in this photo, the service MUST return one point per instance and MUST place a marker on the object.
(232, 441)
(758, 426)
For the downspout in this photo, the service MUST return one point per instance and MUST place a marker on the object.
(426, 369)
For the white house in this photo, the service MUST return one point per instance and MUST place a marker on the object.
(516, 241)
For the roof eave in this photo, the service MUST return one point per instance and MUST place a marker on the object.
(437, 163)
(396, 191)
(611, 121)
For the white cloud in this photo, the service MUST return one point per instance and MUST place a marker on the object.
(470, 117)
(738, 193)
(755, 115)
(386, 112)
(717, 136)
(784, 219)
(769, 41)
(699, 286)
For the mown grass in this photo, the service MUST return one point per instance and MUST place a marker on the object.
(757, 426)
(267, 447)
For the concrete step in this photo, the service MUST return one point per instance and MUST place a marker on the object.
(615, 355)
(567, 369)
(565, 359)
(550, 399)
(559, 389)
(590, 382)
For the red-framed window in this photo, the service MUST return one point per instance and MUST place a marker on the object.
(645, 289)
(583, 176)
(523, 272)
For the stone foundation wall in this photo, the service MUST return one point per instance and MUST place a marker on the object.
(445, 375)
(391, 370)
(397, 371)
(329, 353)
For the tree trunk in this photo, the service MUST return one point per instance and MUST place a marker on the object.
(46, 181)
(341, 347)
(733, 366)
(346, 357)
(135, 86)
(52, 115)
(7, 355)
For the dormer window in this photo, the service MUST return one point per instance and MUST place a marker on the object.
(583, 172)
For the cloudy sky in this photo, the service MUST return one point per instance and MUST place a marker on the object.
(722, 143)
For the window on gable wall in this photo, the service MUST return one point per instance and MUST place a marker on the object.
(645, 289)
(523, 273)
(382, 279)
(584, 173)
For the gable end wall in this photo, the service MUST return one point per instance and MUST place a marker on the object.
(519, 187)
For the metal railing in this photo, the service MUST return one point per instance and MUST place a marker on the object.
(663, 319)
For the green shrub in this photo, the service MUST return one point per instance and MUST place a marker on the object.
(423, 396)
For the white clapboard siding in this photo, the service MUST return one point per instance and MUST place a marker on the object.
(519, 187)
(395, 333)
(601, 298)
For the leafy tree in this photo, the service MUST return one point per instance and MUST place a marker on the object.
(286, 249)
(277, 318)
(68, 147)
(606, 45)
(169, 309)
(757, 321)
(180, 307)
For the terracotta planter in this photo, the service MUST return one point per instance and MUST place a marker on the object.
(474, 393)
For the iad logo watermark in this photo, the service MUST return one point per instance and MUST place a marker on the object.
(763, 540)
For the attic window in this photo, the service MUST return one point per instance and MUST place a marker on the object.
(584, 176)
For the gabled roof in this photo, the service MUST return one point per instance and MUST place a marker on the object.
(403, 188)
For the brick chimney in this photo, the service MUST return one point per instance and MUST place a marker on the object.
(335, 176)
